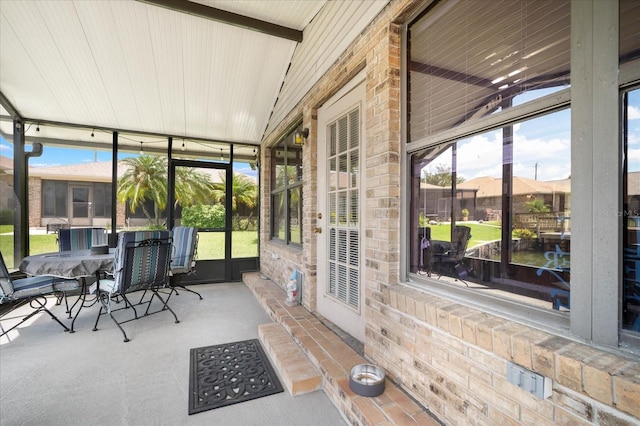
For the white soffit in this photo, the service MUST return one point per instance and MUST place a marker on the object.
(135, 66)
(336, 26)
(291, 14)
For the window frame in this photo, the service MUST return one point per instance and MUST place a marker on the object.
(589, 300)
(285, 190)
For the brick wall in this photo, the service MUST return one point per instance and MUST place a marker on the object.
(452, 359)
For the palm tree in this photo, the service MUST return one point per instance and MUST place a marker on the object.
(244, 191)
(146, 179)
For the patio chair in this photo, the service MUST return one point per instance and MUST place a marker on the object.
(71, 239)
(451, 260)
(31, 290)
(81, 238)
(141, 263)
(183, 257)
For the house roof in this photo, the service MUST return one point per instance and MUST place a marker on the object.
(207, 71)
(96, 171)
(488, 186)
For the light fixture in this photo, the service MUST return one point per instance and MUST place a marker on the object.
(184, 148)
(221, 156)
(92, 135)
(38, 127)
(300, 136)
(141, 149)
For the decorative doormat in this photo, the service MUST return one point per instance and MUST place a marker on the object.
(226, 374)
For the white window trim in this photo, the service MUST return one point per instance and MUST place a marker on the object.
(596, 276)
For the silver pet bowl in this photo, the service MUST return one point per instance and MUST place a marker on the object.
(367, 380)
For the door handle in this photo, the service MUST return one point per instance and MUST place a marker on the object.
(317, 230)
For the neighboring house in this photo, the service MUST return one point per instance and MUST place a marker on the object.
(556, 194)
(74, 194)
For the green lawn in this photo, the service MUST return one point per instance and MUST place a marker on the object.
(480, 232)
(210, 244)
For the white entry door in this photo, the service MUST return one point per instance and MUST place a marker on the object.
(340, 292)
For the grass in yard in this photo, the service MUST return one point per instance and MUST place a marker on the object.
(210, 245)
(480, 232)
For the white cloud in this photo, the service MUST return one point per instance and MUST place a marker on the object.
(633, 112)
(544, 158)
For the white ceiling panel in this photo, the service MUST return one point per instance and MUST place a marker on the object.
(326, 38)
(136, 67)
(292, 14)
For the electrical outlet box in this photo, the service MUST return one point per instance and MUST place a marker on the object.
(529, 381)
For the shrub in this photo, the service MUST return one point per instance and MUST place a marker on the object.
(523, 233)
(204, 216)
(6, 217)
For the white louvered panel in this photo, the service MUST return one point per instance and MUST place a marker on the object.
(333, 279)
(342, 245)
(343, 134)
(333, 138)
(342, 208)
(354, 168)
(333, 213)
(354, 248)
(354, 212)
(318, 51)
(332, 244)
(354, 128)
(343, 283)
(342, 171)
(354, 291)
(343, 200)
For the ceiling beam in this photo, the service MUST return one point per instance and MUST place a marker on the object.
(219, 15)
(8, 106)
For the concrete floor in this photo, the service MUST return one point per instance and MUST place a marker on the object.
(49, 377)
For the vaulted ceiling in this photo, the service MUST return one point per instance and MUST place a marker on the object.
(210, 71)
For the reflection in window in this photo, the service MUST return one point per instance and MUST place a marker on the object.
(286, 198)
(510, 190)
(631, 213)
(475, 57)
(490, 204)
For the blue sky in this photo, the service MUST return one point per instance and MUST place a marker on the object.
(53, 156)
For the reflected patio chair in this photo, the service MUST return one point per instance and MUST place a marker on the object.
(31, 290)
(451, 260)
(183, 257)
(141, 264)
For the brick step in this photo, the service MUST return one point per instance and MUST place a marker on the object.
(299, 375)
(333, 358)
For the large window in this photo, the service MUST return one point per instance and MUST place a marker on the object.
(499, 191)
(631, 212)
(54, 198)
(491, 167)
(286, 196)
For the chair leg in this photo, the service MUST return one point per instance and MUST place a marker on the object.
(38, 306)
(104, 300)
(42, 306)
(165, 306)
(188, 289)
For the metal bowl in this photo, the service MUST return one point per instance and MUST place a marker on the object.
(367, 380)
